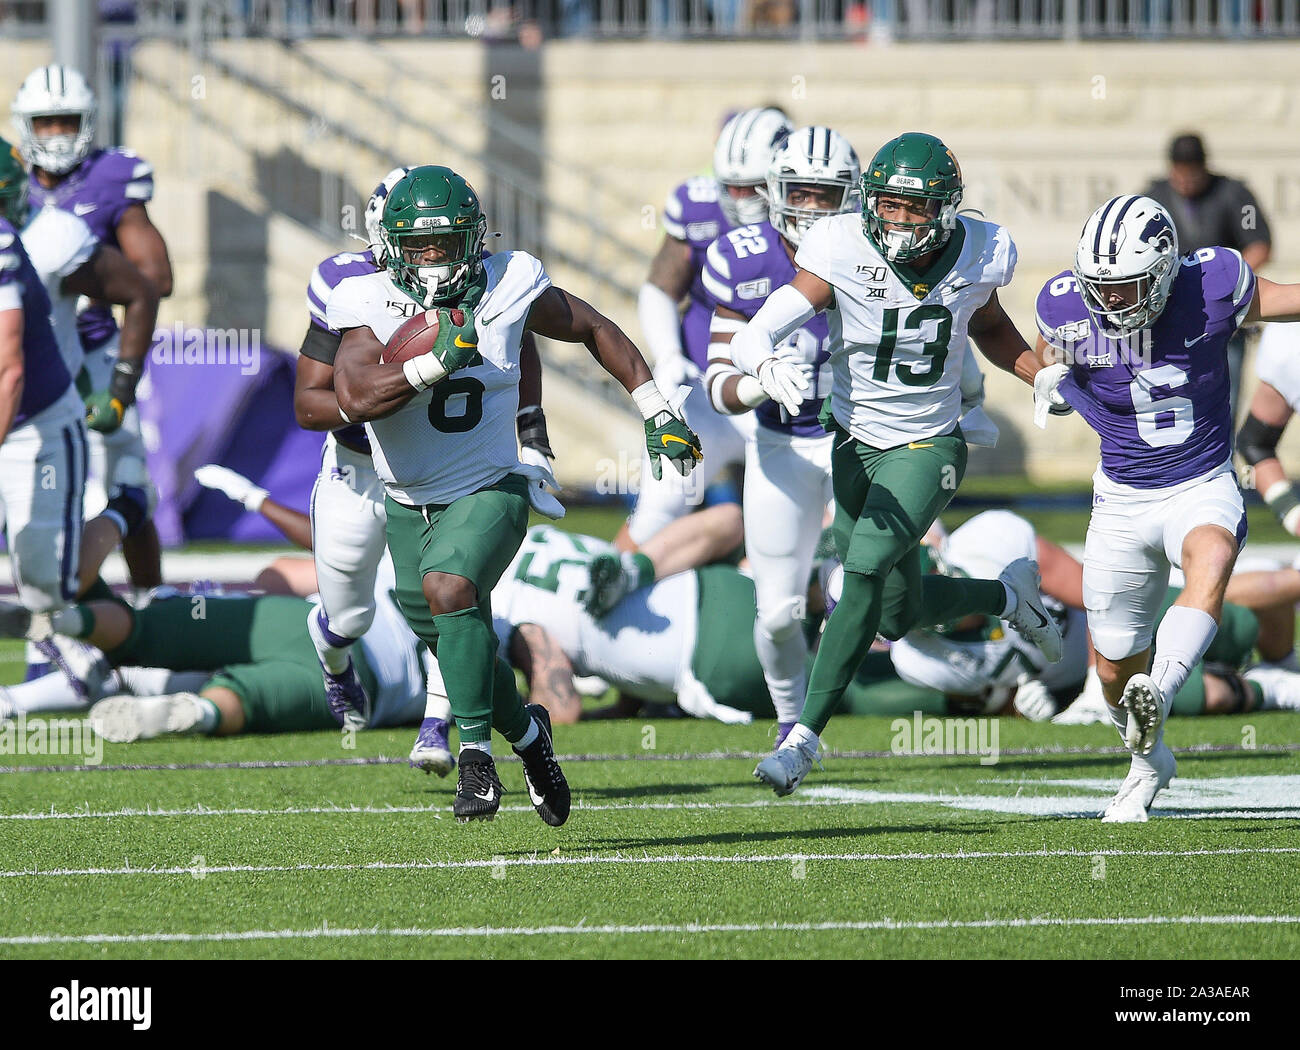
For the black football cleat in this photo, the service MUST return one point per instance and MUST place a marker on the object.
(478, 790)
(547, 787)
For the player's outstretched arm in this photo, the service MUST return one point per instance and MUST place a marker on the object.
(1257, 443)
(1000, 341)
(144, 246)
(1274, 302)
(110, 276)
(558, 315)
(366, 389)
(548, 670)
(730, 389)
(295, 525)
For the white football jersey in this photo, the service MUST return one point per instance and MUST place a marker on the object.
(897, 348)
(644, 645)
(981, 549)
(458, 436)
(59, 244)
(1277, 361)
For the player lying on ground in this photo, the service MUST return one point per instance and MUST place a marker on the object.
(903, 284)
(984, 669)
(1135, 338)
(108, 188)
(441, 426)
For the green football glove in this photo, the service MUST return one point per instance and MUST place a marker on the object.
(104, 412)
(455, 347)
(668, 436)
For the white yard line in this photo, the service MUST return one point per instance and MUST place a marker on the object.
(672, 858)
(325, 932)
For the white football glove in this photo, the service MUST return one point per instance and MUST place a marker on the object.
(234, 485)
(785, 382)
(1046, 397)
(540, 479)
(674, 370)
(1033, 699)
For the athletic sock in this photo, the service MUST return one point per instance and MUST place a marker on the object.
(1181, 641)
(209, 718)
(509, 716)
(333, 650)
(477, 745)
(802, 736)
(530, 734)
(50, 692)
(845, 642)
(467, 655)
(948, 598)
(1119, 719)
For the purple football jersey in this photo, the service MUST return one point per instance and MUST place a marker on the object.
(98, 191)
(45, 376)
(1158, 397)
(741, 269)
(693, 214)
(329, 273)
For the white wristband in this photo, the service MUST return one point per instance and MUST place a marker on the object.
(750, 392)
(423, 371)
(254, 500)
(649, 400)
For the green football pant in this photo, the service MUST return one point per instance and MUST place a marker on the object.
(474, 537)
(885, 501)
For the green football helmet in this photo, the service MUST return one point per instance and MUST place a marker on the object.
(13, 186)
(913, 165)
(432, 207)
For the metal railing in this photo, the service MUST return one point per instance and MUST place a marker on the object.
(532, 21)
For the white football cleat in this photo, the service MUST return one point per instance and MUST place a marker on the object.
(1132, 803)
(125, 719)
(1030, 617)
(1281, 687)
(1088, 707)
(1146, 709)
(784, 769)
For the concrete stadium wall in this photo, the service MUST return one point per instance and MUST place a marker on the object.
(1044, 132)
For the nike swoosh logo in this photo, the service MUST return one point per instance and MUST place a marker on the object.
(1193, 342)
(1042, 620)
(486, 796)
(473, 725)
(464, 345)
(918, 444)
(83, 209)
(673, 437)
(958, 287)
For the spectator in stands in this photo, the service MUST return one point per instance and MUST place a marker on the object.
(1209, 209)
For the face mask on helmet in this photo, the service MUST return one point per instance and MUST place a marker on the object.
(55, 113)
(907, 230)
(434, 266)
(741, 157)
(1126, 262)
(795, 204)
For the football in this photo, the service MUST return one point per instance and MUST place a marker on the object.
(416, 336)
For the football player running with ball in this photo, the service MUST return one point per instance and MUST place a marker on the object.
(902, 284)
(1138, 343)
(442, 433)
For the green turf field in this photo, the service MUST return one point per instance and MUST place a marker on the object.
(672, 850)
(303, 846)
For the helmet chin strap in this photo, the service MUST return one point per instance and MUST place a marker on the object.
(432, 282)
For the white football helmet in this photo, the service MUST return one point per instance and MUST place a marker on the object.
(813, 156)
(375, 211)
(1128, 239)
(53, 91)
(741, 157)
